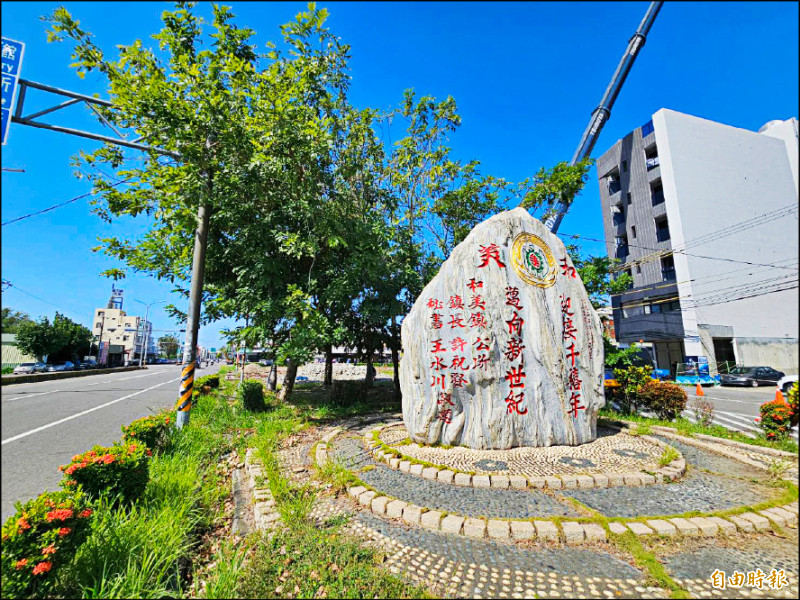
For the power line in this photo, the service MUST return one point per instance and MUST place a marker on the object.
(44, 210)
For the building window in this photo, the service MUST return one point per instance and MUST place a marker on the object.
(662, 229)
(638, 269)
(621, 244)
(632, 309)
(657, 194)
(98, 325)
(651, 157)
(630, 200)
(124, 338)
(633, 231)
(624, 166)
(647, 129)
(668, 268)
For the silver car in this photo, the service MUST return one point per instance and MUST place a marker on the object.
(64, 365)
(29, 368)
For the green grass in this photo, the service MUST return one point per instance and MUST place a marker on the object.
(668, 456)
(657, 574)
(687, 428)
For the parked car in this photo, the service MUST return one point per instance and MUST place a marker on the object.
(610, 381)
(79, 366)
(29, 368)
(63, 365)
(785, 383)
(752, 376)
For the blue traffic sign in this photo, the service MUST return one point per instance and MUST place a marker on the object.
(12, 68)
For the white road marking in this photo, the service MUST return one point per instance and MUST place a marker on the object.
(736, 423)
(85, 412)
(30, 395)
(138, 376)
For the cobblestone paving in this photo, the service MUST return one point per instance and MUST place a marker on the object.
(611, 452)
(705, 492)
(710, 461)
(465, 501)
(692, 568)
(468, 568)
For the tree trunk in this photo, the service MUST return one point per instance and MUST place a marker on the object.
(370, 378)
(328, 365)
(288, 381)
(272, 380)
(395, 342)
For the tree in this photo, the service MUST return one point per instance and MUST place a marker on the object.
(12, 320)
(168, 345)
(39, 339)
(77, 339)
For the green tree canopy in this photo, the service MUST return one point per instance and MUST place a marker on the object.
(12, 319)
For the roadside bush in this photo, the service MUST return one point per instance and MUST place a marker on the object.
(41, 537)
(776, 417)
(154, 431)
(630, 380)
(793, 394)
(667, 400)
(120, 469)
(8, 370)
(251, 395)
(211, 381)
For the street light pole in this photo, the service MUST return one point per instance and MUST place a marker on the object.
(146, 331)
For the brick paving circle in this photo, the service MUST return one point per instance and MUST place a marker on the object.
(611, 453)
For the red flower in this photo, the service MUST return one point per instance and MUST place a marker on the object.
(108, 459)
(167, 420)
(86, 513)
(61, 514)
(132, 447)
(64, 531)
(149, 453)
(70, 482)
(42, 567)
(76, 457)
(72, 469)
(23, 524)
(20, 563)
(49, 550)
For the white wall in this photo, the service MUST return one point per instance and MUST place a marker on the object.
(715, 176)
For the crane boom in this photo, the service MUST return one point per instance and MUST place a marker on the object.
(602, 113)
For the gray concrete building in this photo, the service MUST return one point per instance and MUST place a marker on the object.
(704, 217)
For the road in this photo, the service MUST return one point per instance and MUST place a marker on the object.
(44, 424)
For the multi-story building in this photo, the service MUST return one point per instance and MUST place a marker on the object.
(704, 218)
(125, 335)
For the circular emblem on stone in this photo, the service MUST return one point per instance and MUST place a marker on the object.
(630, 453)
(574, 461)
(533, 261)
(491, 465)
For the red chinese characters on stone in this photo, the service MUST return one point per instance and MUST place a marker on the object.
(481, 343)
(446, 416)
(490, 252)
(574, 383)
(572, 354)
(515, 324)
(512, 297)
(437, 364)
(477, 303)
(513, 401)
(458, 344)
(478, 320)
(458, 363)
(438, 380)
(437, 347)
(574, 380)
(567, 269)
(514, 377)
(474, 285)
(456, 321)
(458, 379)
(456, 302)
(435, 304)
(514, 348)
(445, 398)
(575, 404)
(436, 321)
(481, 361)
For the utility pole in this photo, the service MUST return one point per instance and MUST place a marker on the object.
(146, 330)
(602, 113)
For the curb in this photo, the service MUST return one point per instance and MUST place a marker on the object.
(15, 379)
(671, 472)
(266, 517)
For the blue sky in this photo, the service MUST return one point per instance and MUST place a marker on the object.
(525, 76)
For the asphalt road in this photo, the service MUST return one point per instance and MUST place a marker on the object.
(44, 424)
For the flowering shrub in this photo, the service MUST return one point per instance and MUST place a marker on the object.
(41, 537)
(667, 400)
(775, 419)
(792, 397)
(120, 469)
(154, 431)
(631, 379)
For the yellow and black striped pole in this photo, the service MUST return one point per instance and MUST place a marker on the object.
(187, 385)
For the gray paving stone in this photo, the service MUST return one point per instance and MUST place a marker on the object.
(553, 483)
(430, 472)
(445, 476)
(431, 519)
(500, 482)
(546, 530)
(415, 469)
(594, 532)
(662, 527)
(685, 527)
(569, 482)
(617, 527)
(395, 508)
(365, 499)
(463, 479)
(647, 479)
(497, 529)
(475, 528)
(394, 463)
(585, 481)
(573, 532)
(615, 480)
(600, 481)
(518, 482)
(452, 524)
(378, 505)
(759, 522)
(522, 530)
(537, 482)
(481, 481)
(632, 479)
(355, 492)
(774, 516)
(412, 514)
(791, 518)
(741, 523)
(706, 527)
(724, 525)
(405, 466)
(639, 528)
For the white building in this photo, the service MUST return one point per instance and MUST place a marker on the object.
(704, 217)
(125, 335)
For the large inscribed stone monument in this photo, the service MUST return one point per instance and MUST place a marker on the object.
(503, 348)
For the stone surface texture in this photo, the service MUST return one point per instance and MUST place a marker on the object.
(481, 418)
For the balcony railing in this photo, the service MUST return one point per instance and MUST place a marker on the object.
(652, 162)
